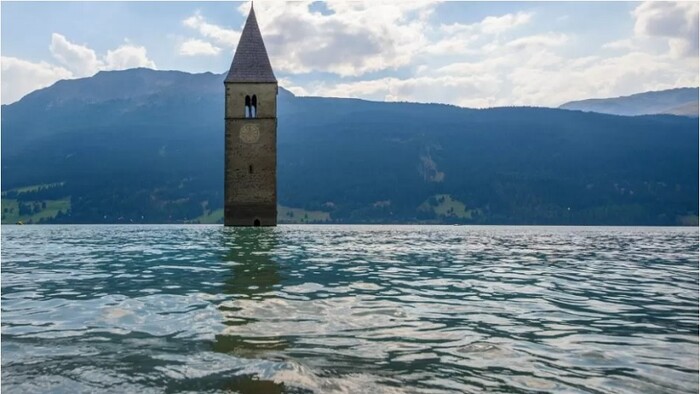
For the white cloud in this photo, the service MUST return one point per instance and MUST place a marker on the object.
(623, 44)
(457, 37)
(534, 75)
(489, 25)
(222, 37)
(675, 21)
(473, 91)
(127, 56)
(499, 60)
(538, 41)
(194, 47)
(20, 77)
(491, 68)
(452, 46)
(499, 24)
(488, 65)
(292, 87)
(81, 60)
(353, 39)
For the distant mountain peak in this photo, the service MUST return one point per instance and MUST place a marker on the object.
(676, 101)
(130, 83)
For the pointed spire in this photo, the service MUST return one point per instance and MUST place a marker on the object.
(250, 62)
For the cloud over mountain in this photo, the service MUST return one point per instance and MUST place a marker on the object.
(76, 61)
(27, 76)
(470, 54)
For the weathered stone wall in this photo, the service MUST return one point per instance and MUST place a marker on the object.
(265, 92)
(251, 159)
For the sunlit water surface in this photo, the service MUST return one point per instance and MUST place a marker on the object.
(358, 309)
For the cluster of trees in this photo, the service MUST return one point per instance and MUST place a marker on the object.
(27, 209)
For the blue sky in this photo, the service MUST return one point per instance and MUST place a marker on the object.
(474, 54)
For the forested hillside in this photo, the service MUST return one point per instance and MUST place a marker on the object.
(147, 146)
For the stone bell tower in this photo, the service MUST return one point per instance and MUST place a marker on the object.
(250, 186)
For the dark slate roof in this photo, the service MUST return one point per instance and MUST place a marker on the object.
(250, 63)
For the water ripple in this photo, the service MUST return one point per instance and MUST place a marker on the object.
(349, 309)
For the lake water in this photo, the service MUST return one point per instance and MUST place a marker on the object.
(357, 309)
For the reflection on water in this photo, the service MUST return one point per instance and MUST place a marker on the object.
(253, 271)
(253, 277)
(349, 309)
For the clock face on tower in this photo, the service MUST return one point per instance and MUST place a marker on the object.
(250, 133)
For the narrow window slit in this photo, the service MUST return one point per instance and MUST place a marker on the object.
(248, 111)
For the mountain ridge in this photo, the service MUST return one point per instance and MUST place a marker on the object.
(678, 101)
(153, 152)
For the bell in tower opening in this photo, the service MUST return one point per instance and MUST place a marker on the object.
(250, 186)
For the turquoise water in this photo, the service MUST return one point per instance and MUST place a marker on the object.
(358, 309)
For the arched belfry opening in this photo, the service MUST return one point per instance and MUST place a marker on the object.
(250, 148)
(247, 107)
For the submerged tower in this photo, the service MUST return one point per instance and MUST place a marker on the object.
(250, 186)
